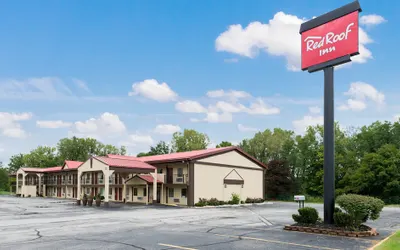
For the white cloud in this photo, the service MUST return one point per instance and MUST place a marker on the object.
(151, 89)
(53, 124)
(396, 118)
(300, 126)
(315, 110)
(189, 106)
(279, 37)
(34, 88)
(107, 124)
(372, 20)
(231, 60)
(243, 128)
(9, 125)
(230, 107)
(213, 117)
(260, 108)
(81, 84)
(166, 129)
(138, 139)
(360, 93)
(235, 94)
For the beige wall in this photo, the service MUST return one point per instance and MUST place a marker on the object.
(209, 179)
(96, 166)
(29, 190)
(177, 195)
(231, 158)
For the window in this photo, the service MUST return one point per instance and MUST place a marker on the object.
(109, 191)
(127, 192)
(170, 192)
(135, 192)
(180, 172)
(144, 192)
(159, 170)
(87, 190)
(183, 193)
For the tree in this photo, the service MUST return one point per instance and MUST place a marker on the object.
(224, 144)
(160, 149)
(189, 140)
(3, 178)
(42, 157)
(80, 149)
(16, 162)
(278, 179)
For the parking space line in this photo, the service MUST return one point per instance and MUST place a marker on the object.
(275, 241)
(177, 247)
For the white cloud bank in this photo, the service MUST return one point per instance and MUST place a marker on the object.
(53, 124)
(10, 126)
(166, 129)
(372, 20)
(106, 125)
(300, 126)
(280, 37)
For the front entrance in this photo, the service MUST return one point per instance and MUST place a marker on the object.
(58, 192)
(118, 194)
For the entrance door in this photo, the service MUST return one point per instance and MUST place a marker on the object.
(116, 194)
(170, 175)
(59, 192)
(158, 195)
(120, 194)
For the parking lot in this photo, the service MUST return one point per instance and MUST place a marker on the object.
(44, 223)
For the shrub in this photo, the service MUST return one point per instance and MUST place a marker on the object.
(361, 208)
(307, 215)
(249, 200)
(235, 198)
(342, 219)
(213, 202)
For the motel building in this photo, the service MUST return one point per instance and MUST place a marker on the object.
(177, 178)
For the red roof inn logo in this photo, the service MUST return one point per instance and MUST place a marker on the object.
(330, 41)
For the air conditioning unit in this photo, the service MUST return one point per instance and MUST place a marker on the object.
(179, 179)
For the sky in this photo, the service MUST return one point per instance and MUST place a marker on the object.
(134, 72)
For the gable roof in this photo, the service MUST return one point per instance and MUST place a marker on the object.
(188, 156)
(147, 178)
(124, 163)
(72, 164)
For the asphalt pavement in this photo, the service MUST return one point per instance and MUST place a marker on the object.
(46, 223)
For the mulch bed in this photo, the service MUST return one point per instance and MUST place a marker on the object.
(364, 231)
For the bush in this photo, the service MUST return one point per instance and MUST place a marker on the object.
(213, 202)
(254, 200)
(307, 215)
(361, 208)
(235, 198)
(342, 219)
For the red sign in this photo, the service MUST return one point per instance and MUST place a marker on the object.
(329, 41)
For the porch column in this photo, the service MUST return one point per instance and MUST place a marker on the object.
(155, 187)
(124, 178)
(78, 191)
(17, 184)
(40, 182)
(107, 173)
(23, 184)
(162, 193)
(147, 194)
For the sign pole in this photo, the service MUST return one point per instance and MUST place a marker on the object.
(327, 41)
(329, 146)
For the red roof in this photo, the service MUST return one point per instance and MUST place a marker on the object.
(187, 156)
(42, 170)
(124, 163)
(73, 164)
(149, 178)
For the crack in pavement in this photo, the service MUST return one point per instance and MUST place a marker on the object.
(110, 241)
(38, 234)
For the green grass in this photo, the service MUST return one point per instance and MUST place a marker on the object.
(392, 243)
(4, 192)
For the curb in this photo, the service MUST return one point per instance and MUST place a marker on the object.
(236, 205)
(337, 232)
(379, 243)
